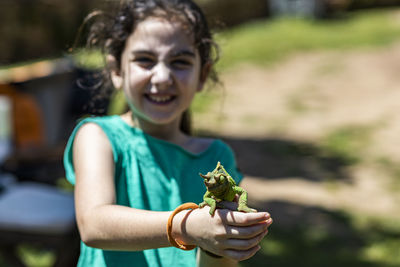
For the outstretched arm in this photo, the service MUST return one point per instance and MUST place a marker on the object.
(101, 222)
(105, 225)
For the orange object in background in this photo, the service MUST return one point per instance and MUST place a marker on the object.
(27, 120)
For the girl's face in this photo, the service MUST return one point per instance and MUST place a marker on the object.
(160, 71)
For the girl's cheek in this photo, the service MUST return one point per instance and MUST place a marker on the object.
(139, 77)
(136, 70)
(187, 77)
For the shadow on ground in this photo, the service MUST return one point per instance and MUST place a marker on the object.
(306, 236)
(279, 159)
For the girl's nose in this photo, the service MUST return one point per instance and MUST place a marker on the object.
(161, 76)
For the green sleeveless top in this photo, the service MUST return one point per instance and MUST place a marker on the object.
(150, 174)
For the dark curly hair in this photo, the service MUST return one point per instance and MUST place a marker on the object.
(110, 30)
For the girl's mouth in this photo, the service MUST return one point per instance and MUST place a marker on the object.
(160, 99)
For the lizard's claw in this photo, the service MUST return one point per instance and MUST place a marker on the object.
(212, 210)
(246, 209)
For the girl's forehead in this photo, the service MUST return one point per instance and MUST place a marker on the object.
(155, 32)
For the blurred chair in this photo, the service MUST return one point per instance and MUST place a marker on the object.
(32, 209)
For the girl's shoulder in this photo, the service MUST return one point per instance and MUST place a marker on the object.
(110, 125)
(111, 121)
(106, 130)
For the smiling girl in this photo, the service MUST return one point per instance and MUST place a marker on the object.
(131, 171)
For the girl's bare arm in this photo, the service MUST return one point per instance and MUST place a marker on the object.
(105, 225)
(101, 222)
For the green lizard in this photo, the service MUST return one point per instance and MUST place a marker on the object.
(221, 187)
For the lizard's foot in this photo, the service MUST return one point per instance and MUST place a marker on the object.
(212, 209)
(246, 209)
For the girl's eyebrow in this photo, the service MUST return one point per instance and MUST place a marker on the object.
(179, 53)
(184, 53)
(141, 52)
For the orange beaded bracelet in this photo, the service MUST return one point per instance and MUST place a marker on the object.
(172, 240)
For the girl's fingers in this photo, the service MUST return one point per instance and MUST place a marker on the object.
(235, 218)
(245, 244)
(247, 232)
(244, 249)
(240, 255)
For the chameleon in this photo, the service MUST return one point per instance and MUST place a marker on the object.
(221, 187)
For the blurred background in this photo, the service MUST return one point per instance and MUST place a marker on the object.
(309, 102)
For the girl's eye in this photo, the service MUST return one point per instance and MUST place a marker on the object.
(181, 63)
(144, 62)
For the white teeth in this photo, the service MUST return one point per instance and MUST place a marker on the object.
(160, 99)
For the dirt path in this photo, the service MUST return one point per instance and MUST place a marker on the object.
(302, 101)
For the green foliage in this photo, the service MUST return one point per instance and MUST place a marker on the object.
(268, 41)
(204, 100)
(391, 167)
(89, 59)
(32, 257)
(329, 238)
(385, 251)
(347, 143)
(382, 240)
(35, 257)
(118, 104)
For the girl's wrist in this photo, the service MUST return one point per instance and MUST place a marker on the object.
(179, 229)
(210, 254)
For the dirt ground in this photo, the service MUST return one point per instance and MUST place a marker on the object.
(293, 106)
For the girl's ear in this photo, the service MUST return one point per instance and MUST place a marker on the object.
(115, 72)
(205, 71)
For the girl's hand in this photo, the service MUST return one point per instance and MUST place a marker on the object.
(230, 234)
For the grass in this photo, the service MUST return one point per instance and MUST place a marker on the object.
(391, 167)
(373, 243)
(346, 143)
(269, 41)
(205, 99)
(337, 240)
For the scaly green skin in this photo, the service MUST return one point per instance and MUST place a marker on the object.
(221, 187)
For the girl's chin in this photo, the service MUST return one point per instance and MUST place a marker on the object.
(160, 119)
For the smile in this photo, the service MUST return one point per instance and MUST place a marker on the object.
(160, 99)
